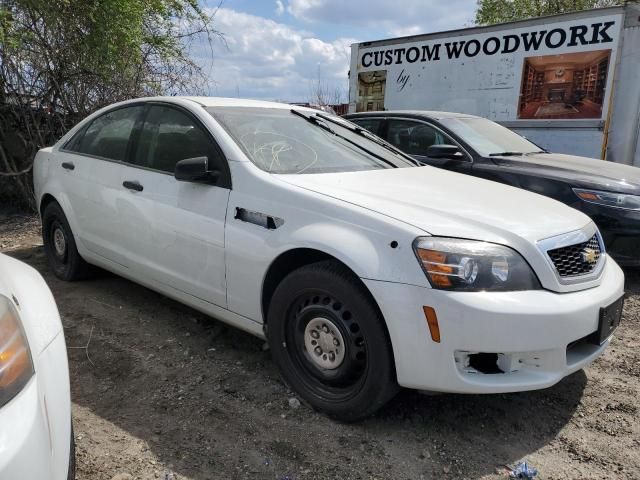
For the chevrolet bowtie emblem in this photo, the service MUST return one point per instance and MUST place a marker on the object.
(589, 255)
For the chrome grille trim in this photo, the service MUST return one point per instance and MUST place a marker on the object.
(570, 261)
(560, 247)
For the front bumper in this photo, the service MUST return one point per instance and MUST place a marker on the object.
(536, 334)
(35, 426)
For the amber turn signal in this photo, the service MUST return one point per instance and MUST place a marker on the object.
(16, 367)
(585, 195)
(432, 322)
(434, 264)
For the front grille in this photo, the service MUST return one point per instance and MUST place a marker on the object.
(578, 259)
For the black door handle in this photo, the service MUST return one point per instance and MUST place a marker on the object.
(135, 185)
(68, 165)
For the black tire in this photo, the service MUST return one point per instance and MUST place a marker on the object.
(326, 304)
(71, 475)
(64, 259)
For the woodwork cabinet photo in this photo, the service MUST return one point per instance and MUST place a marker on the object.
(564, 86)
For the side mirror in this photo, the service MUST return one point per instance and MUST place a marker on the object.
(195, 170)
(444, 151)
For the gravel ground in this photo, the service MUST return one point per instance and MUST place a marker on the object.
(161, 391)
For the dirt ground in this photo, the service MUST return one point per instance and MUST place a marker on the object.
(161, 391)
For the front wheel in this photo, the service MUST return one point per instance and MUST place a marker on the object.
(329, 340)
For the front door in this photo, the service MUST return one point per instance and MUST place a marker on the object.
(414, 138)
(176, 228)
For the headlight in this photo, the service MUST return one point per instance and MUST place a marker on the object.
(618, 200)
(470, 265)
(16, 367)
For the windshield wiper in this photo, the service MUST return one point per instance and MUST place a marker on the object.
(363, 132)
(506, 154)
(317, 119)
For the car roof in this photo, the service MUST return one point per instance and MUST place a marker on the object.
(237, 102)
(431, 114)
(215, 102)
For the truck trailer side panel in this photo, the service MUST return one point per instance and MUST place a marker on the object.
(550, 79)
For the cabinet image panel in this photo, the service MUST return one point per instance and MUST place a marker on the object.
(371, 90)
(566, 86)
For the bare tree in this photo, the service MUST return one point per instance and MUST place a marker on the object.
(323, 94)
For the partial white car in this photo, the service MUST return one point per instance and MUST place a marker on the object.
(36, 440)
(364, 271)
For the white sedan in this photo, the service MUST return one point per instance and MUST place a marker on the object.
(36, 441)
(363, 271)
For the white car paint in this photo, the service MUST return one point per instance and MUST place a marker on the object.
(183, 240)
(35, 426)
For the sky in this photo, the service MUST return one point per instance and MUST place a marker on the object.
(278, 49)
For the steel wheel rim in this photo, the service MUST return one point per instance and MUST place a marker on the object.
(59, 241)
(350, 369)
(324, 343)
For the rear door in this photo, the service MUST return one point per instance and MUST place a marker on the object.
(91, 163)
(175, 229)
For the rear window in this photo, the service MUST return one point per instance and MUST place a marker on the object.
(108, 135)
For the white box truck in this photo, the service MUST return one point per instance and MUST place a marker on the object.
(570, 83)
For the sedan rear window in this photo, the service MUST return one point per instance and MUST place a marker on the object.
(108, 135)
(285, 142)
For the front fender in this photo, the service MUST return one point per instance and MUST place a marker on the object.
(359, 252)
(372, 246)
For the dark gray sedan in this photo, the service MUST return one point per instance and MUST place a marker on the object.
(608, 192)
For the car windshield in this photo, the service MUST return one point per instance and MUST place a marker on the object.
(488, 138)
(302, 141)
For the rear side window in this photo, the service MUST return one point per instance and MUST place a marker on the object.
(170, 135)
(371, 124)
(108, 135)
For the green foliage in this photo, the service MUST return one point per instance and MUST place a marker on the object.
(62, 59)
(131, 46)
(500, 11)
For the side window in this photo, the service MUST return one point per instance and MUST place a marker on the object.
(414, 137)
(108, 135)
(73, 145)
(371, 124)
(170, 135)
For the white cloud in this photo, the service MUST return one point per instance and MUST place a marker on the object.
(406, 31)
(271, 60)
(425, 15)
(279, 7)
(267, 59)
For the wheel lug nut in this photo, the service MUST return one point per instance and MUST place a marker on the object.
(336, 342)
(318, 350)
(314, 334)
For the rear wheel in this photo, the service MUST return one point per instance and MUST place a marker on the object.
(60, 246)
(330, 342)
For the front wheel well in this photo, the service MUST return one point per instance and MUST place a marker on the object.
(292, 260)
(282, 266)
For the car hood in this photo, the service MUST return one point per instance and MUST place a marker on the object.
(581, 171)
(448, 204)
